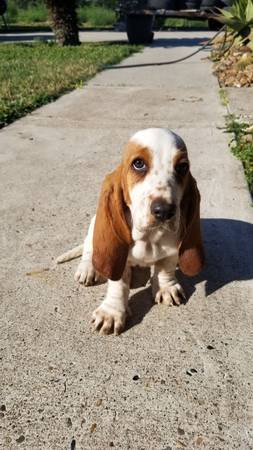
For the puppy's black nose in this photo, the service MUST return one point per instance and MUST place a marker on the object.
(162, 210)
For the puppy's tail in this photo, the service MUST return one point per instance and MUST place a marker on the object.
(71, 254)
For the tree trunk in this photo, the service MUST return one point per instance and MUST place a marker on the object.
(64, 21)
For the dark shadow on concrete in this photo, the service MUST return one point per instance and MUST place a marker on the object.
(229, 257)
(171, 42)
(139, 304)
(179, 42)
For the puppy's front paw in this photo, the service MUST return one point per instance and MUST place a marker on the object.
(169, 295)
(87, 275)
(107, 320)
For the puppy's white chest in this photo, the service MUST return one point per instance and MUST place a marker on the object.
(147, 251)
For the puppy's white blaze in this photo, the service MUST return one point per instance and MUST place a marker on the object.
(160, 181)
(160, 140)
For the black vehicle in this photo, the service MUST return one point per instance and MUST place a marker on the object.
(140, 14)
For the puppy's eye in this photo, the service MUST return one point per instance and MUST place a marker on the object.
(139, 164)
(182, 168)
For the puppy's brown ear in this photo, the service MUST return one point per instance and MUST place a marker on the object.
(191, 252)
(112, 235)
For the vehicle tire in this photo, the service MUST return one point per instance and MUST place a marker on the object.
(210, 4)
(3, 7)
(214, 25)
(182, 4)
(139, 29)
(227, 2)
(162, 4)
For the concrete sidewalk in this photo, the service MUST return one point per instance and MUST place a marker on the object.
(178, 377)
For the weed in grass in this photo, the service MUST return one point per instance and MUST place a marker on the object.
(242, 146)
(32, 75)
(223, 97)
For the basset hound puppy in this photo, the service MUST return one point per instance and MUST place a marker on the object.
(147, 215)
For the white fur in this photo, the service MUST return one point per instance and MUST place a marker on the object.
(154, 245)
(112, 313)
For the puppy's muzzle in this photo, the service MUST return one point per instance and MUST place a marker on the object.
(162, 210)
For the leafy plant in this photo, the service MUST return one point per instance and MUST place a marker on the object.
(238, 18)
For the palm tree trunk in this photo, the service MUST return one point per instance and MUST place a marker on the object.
(64, 21)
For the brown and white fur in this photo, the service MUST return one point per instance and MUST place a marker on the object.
(148, 215)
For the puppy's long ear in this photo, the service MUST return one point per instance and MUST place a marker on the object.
(191, 252)
(112, 235)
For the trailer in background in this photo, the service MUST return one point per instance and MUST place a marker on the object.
(140, 15)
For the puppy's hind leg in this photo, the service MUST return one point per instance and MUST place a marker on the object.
(86, 273)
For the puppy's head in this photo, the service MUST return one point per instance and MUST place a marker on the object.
(151, 189)
(156, 170)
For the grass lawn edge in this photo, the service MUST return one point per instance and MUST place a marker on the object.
(59, 71)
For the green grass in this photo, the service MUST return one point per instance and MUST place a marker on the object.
(88, 16)
(36, 14)
(32, 14)
(185, 23)
(32, 75)
(242, 146)
(96, 16)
